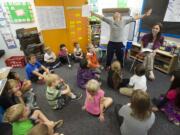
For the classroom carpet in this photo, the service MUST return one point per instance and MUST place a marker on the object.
(78, 122)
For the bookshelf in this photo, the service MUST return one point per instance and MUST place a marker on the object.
(95, 32)
(163, 61)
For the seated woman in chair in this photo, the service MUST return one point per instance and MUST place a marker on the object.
(152, 41)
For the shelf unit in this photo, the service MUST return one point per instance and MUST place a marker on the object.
(163, 61)
(95, 32)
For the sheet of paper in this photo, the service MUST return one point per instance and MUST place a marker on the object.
(173, 11)
(20, 12)
(51, 17)
(86, 10)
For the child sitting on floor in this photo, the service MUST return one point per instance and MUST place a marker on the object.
(78, 54)
(93, 62)
(95, 102)
(85, 74)
(56, 89)
(50, 59)
(24, 85)
(20, 95)
(115, 79)
(64, 57)
(23, 119)
(137, 81)
(136, 117)
(170, 102)
(34, 69)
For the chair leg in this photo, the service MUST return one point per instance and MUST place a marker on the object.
(133, 64)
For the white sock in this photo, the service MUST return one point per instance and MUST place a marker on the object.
(73, 96)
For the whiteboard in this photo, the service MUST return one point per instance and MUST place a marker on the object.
(172, 11)
(105, 31)
(51, 17)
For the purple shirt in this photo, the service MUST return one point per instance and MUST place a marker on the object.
(83, 76)
(148, 39)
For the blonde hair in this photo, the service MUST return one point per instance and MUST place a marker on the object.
(140, 104)
(116, 77)
(47, 49)
(14, 113)
(39, 129)
(92, 85)
(50, 78)
(12, 83)
(90, 46)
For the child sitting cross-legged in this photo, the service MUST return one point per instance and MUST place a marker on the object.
(91, 56)
(169, 103)
(137, 81)
(95, 102)
(77, 52)
(50, 59)
(85, 74)
(115, 79)
(57, 91)
(35, 70)
(64, 55)
(136, 117)
(23, 119)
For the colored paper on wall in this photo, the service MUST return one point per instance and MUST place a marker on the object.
(19, 12)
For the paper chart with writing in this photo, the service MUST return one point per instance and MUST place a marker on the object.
(173, 11)
(51, 17)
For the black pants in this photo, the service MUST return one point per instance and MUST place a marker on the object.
(117, 48)
(36, 78)
(119, 118)
(53, 65)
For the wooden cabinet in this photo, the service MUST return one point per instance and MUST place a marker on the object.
(164, 61)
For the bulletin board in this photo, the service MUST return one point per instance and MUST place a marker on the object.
(19, 12)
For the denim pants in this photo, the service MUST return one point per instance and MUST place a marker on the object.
(117, 48)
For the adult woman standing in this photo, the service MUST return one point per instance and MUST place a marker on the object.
(117, 26)
(152, 41)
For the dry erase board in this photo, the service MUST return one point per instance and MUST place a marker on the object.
(159, 14)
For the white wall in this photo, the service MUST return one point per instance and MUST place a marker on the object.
(16, 51)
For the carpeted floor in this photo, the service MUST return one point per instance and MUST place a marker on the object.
(78, 122)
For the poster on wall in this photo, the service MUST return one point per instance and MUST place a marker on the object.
(19, 12)
(2, 18)
(51, 17)
(173, 12)
(9, 40)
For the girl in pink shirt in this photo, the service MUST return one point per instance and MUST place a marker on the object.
(95, 102)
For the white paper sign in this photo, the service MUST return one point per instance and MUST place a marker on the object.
(20, 12)
(86, 10)
(173, 11)
(51, 17)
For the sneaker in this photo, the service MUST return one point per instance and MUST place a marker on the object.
(77, 97)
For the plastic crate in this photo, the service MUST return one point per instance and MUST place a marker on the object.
(15, 61)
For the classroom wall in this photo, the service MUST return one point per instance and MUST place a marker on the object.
(16, 51)
(53, 38)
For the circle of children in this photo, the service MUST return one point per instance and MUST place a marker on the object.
(137, 116)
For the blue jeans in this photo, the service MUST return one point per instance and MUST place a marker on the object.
(118, 49)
